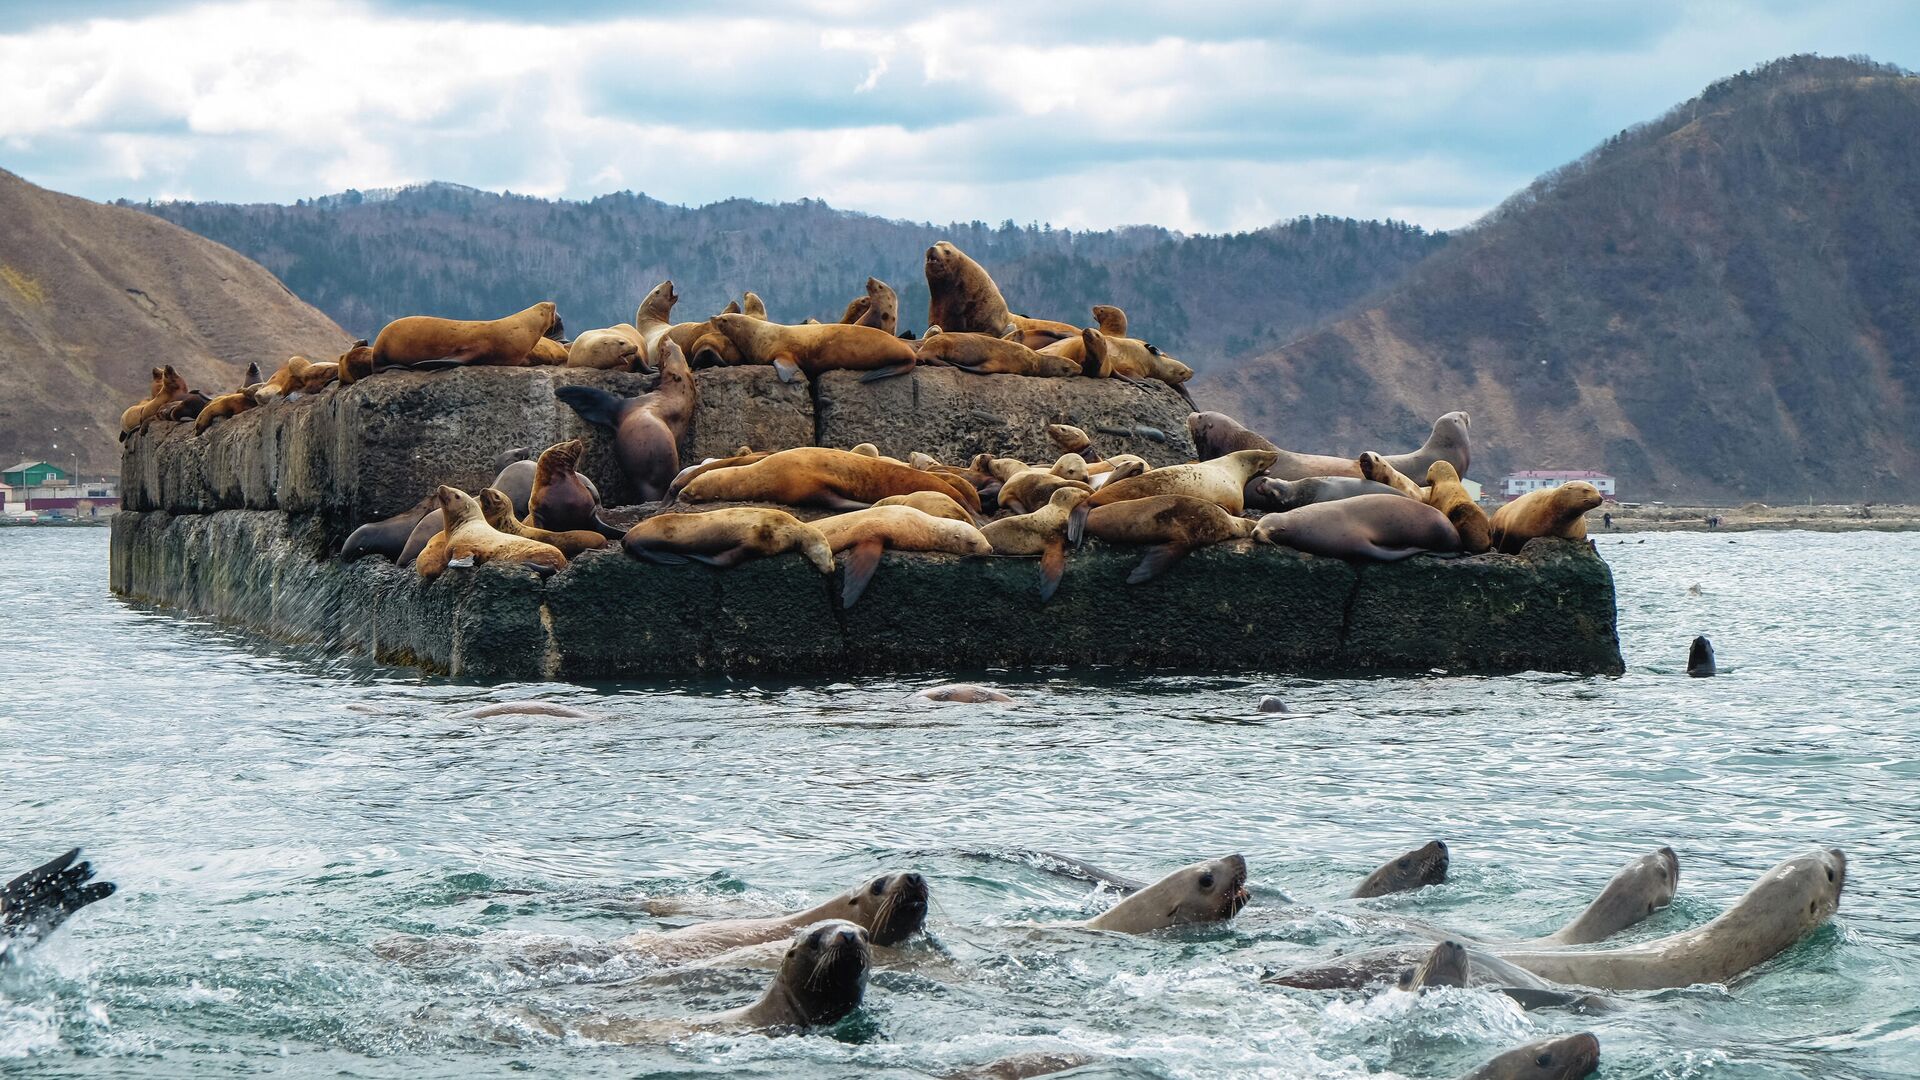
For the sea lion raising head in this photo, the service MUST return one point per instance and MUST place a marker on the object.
(1206, 892)
(1423, 866)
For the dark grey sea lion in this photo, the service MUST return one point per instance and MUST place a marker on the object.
(34, 904)
(1269, 494)
(388, 536)
(1379, 527)
(1700, 663)
(1569, 1057)
(1416, 869)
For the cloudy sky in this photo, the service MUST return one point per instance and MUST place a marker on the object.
(1198, 116)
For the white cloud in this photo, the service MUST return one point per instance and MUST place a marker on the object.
(1226, 117)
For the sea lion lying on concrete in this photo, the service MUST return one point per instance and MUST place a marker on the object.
(820, 476)
(985, 354)
(647, 430)
(1042, 532)
(1215, 434)
(470, 541)
(726, 537)
(615, 348)
(1206, 892)
(936, 503)
(816, 349)
(1172, 525)
(168, 389)
(497, 507)
(225, 406)
(1275, 496)
(859, 538)
(1555, 511)
(389, 536)
(1379, 527)
(35, 903)
(422, 341)
(1448, 495)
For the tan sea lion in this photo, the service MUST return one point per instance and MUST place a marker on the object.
(470, 540)
(819, 476)
(965, 694)
(1381, 527)
(168, 389)
(1205, 892)
(298, 375)
(939, 504)
(1215, 434)
(984, 354)
(962, 297)
(561, 499)
(1221, 481)
(732, 308)
(516, 477)
(860, 537)
(1172, 524)
(1042, 532)
(1446, 965)
(134, 413)
(1423, 866)
(1568, 1057)
(1111, 320)
(224, 406)
(498, 510)
(1642, 887)
(1039, 333)
(433, 559)
(547, 352)
(356, 363)
(1554, 511)
(1024, 1066)
(815, 349)
(1069, 438)
(687, 474)
(616, 348)
(1786, 904)
(424, 341)
(1030, 489)
(1375, 468)
(880, 308)
(647, 430)
(1115, 469)
(1448, 495)
(1102, 355)
(726, 537)
(890, 908)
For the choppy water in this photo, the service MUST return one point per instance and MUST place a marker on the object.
(270, 816)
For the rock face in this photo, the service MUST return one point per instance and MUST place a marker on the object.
(240, 523)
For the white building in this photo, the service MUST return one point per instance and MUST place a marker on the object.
(1514, 485)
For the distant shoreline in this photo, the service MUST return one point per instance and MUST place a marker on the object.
(1754, 517)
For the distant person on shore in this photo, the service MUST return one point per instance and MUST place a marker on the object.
(1607, 519)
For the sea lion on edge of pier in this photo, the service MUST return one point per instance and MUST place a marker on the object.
(862, 536)
(820, 476)
(515, 478)
(984, 354)
(1215, 434)
(470, 540)
(1568, 1057)
(747, 457)
(1555, 511)
(1031, 488)
(1221, 481)
(498, 509)
(647, 430)
(616, 348)
(1448, 495)
(1042, 532)
(438, 553)
(388, 536)
(961, 295)
(1173, 525)
(426, 341)
(935, 503)
(547, 352)
(562, 499)
(1205, 892)
(1641, 888)
(891, 908)
(1274, 496)
(1423, 866)
(880, 308)
(224, 406)
(1381, 527)
(726, 537)
(1700, 662)
(815, 349)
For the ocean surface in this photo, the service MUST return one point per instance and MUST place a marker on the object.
(276, 819)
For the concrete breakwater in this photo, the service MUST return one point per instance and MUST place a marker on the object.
(240, 523)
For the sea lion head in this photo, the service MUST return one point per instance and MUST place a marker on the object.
(456, 506)
(1442, 472)
(752, 305)
(172, 383)
(658, 304)
(1067, 498)
(1070, 466)
(1068, 438)
(1172, 370)
(1569, 1057)
(866, 449)
(495, 506)
(1210, 431)
(824, 972)
(1800, 893)
(943, 261)
(1424, 865)
(1575, 498)
(1446, 965)
(814, 547)
(158, 384)
(891, 907)
(1450, 430)
(922, 461)
(1644, 887)
(561, 457)
(746, 333)
(1206, 892)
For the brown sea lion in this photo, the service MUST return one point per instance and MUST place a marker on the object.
(1024, 1066)
(815, 349)
(356, 363)
(168, 389)
(498, 510)
(471, 541)
(820, 476)
(890, 908)
(687, 474)
(433, 559)
(1375, 468)
(880, 308)
(224, 406)
(1266, 493)
(962, 296)
(1039, 333)
(1381, 527)
(1445, 965)
(547, 352)
(726, 537)
(1221, 481)
(134, 413)
(1568, 1057)
(298, 375)
(1423, 866)
(860, 537)
(1042, 532)
(388, 536)
(939, 504)
(647, 430)
(1173, 525)
(515, 478)
(984, 354)
(562, 500)
(1448, 495)
(1111, 320)
(1787, 903)
(1030, 489)
(1215, 434)
(425, 341)
(1205, 892)
(1102, 355)
(1554, 511)
(616, 348)
(1070, 439)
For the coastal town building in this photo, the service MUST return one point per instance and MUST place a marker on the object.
(46, 490)
(1515, 484)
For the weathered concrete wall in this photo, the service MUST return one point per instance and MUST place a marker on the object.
(1233, 607)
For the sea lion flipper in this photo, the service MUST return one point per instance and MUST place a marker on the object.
(1077, 524)
(36, 902)
(1181, 389)
(655, 555)
(1156, 562)
(857, 565)
(728, 558)
(607, 529)
(1053, 564)
(594, 405)
(887, 372)
(788, 370)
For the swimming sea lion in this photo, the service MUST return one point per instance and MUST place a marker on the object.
(1375, 468)
(616, 348)
(962, 297)
(880, 308)
(35, 903)
(562, 500)
(860, 537)
(1205, 892)
(1215, 434)
(1024, 1066)
(1111, 320)
(1568, 1057)
(1448, 495)
(1642, 887)
(1446, 965)
(647, 429)
(1042, 532)
(1700, 663)
(726, 537)
(890, 908)
(388, 536)
(937, 503)
(1173, 524)
(422, 340)
(1272, 495)
(1787, 903)
(985, 354)
(1423, 866)
(964, 694)
(1554, 511)
(1381, 527)
(814, 349)
(820, 476)
(497, 508)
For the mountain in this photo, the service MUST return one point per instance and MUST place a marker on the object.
(1721, 304)
(367, 257)
(92, 297)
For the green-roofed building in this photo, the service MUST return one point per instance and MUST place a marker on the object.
(34, 474)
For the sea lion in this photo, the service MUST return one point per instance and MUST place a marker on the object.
(962, 297)
(1221, 481)
(820, 476)
(1787, 903)
(890, 908)
(647, 430)
(1271, 495)
(476, 534)
(1032, 488)
(1554, 511)
(1215, 434)
(1381, 527)
(1375, 468)
(224, 406)
(616, 348)
(561, 499)
(1069, 438)
(426, 341)
(726, 537)
(1115, 469)
(1446, 965)
(497, 508)
(964, 694)
(815, 349)
(1042, 532)
(752, 306)
(880, 308)
(1700, 664)
(1448, 495)
(1110, 320)
(1173, 524)
(938, 504)
(547, 352)
(654, 318)
(984, 354)
(35, 903)
(822, 978)
(168, 389)
(865, 449)
(388, 536)
(1568, 1057)
(526, 708)
(1641, 888)
(1101, 355)
(1205, 892)
(687, 474)
(1423, 866)
(860, 537)
(516, 477)
(1024, 1066)
(298, 375)
(356, 363)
